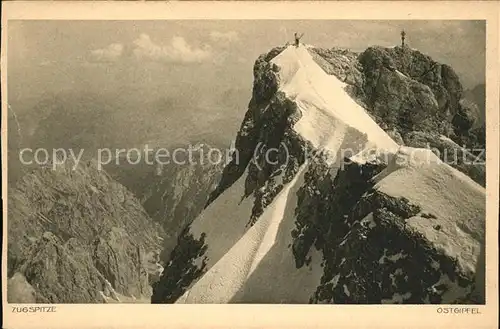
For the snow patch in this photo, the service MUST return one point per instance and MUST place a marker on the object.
(368, 220)
(393, 258)
(452, 291)
(346, 291)
(334, 281)
(397, 298)
(401, 74)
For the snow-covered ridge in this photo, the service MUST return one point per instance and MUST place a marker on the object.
(327, 109)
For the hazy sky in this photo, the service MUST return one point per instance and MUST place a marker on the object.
(206, 62)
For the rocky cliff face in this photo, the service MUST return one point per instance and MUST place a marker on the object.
(300, 228)
(174, 193)
(77, 236)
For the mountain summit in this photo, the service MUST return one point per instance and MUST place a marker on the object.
(328, 202)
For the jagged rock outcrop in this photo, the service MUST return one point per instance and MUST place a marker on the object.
(266, 126)
(122, 263)
(61, 272)
(76, 235)
(440, 78)
(326, 219)
(408, 89)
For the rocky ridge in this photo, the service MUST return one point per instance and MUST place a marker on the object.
(77, 236)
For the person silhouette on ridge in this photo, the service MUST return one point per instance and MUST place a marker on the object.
(297, 39)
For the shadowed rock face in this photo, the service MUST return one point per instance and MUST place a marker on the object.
(77, 236)
(264, 90)
(181, 271)
(267, 125)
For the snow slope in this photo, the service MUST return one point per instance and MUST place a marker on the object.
(457, 202)
(259, 268)
(224, 220)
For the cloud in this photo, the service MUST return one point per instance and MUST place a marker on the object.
(109, 54)
(177, 50)
(227, 37)
(46, 62)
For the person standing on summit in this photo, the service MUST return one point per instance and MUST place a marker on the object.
(297, 39)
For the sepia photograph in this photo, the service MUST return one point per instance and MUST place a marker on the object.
(246, 161)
